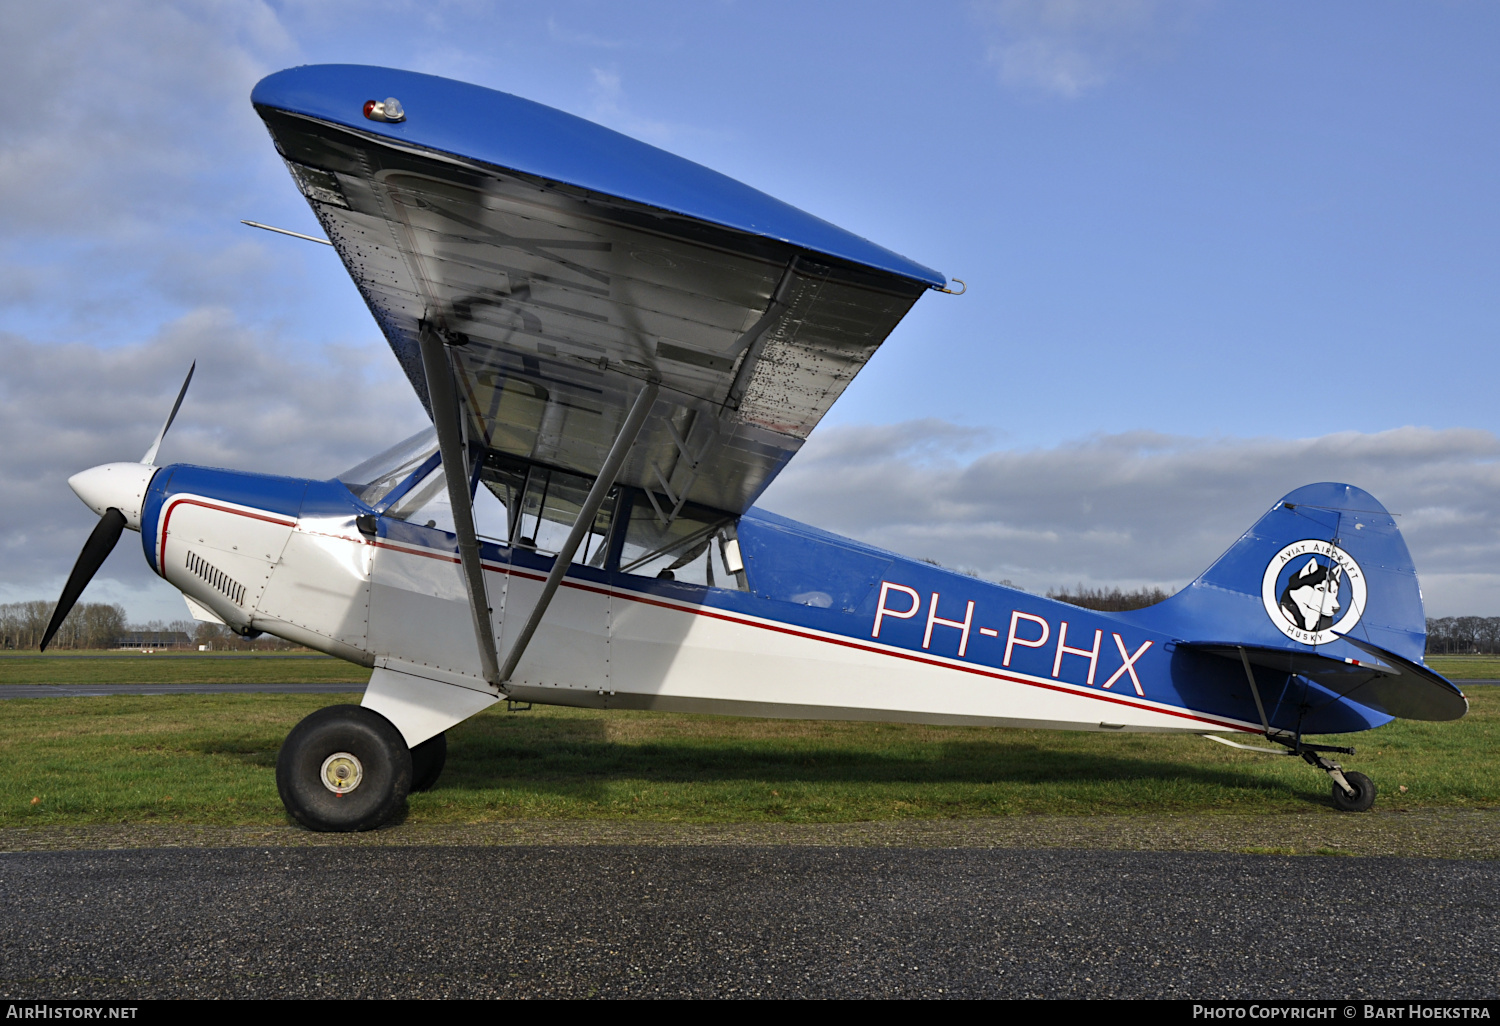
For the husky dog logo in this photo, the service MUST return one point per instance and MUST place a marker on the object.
(1311, 596)
(1313, 591)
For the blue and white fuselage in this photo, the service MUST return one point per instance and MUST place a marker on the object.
(825, 627)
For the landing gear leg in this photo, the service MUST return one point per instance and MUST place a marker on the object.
(427, 761)
(1352, 792)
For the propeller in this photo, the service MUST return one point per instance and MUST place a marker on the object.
(116, 491)
(150, 458)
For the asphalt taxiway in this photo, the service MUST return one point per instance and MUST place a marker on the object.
(622, 921)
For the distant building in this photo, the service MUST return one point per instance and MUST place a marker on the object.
(154, 639)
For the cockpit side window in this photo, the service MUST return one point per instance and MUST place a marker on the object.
(698, 546)
(423, 500)
(542, 503)
(532, 506)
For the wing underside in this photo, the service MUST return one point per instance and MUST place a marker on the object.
(559, 302)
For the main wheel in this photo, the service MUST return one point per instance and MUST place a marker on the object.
(343, 768)
(427, 761)
(1362, 798)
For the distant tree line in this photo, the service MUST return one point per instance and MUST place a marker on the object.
(1459, 635)
(89, 625)
(102, 626)
(1110, 600)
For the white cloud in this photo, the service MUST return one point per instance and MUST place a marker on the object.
(573, 37)
(258, 402)
(1140, 508)
(1067, 47)
(124, 99)
(128, 153)
(608, 107)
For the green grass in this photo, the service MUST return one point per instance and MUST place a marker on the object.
(210, 759)
(1466, 667)
(162, 668)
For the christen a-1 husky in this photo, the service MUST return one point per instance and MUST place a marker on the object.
(619, 351)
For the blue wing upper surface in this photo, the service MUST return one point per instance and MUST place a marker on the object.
(511, 132)
(567, 263)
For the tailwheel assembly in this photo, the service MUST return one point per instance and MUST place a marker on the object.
(344, 768)
(1352, 792)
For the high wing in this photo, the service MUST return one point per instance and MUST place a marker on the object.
(566, 264)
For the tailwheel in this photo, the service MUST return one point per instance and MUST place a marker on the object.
(1352, 792)
(427, 760)
(344, 768)
(1363, 793)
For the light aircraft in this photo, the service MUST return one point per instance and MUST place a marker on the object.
(619, 350)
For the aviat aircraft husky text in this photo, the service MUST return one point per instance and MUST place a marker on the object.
(620, 350)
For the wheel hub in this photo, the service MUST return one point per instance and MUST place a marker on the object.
(341, 773)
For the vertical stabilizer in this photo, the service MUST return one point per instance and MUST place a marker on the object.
(1326, 562)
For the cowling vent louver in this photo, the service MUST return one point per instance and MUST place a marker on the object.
(216, 578)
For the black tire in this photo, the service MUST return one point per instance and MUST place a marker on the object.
(427, 760)
(1362, 798)
(380, 769)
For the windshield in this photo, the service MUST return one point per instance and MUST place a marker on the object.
(376, 476)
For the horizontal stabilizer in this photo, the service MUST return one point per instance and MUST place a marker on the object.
(1386, 683)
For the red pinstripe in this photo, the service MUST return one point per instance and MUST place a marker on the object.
(166, 518)
(727, 618)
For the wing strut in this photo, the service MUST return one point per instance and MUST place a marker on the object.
(602, 484)
(443, 398)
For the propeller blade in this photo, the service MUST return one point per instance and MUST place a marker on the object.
(150, 457)
(100, 544)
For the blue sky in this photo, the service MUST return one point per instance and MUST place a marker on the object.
(1194, 233)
